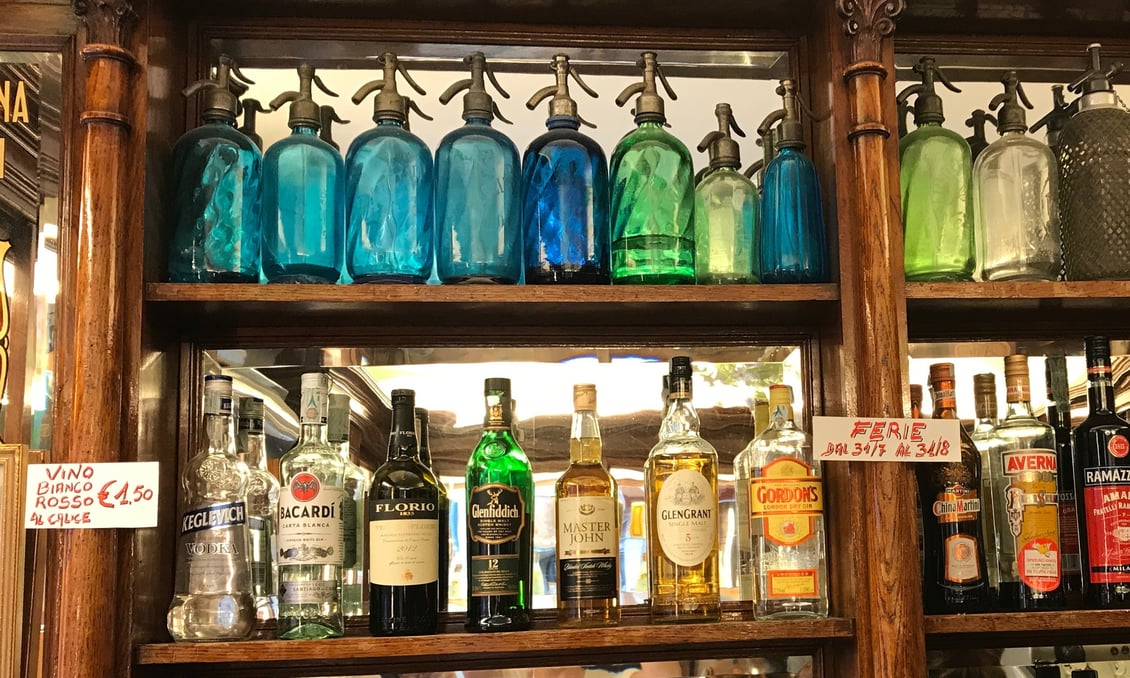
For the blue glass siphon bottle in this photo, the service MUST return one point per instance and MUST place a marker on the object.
(388, 190)
(478, 190)
(564, 192)
(216, 200)
(725, 210)
(792, 243)
(303, 212)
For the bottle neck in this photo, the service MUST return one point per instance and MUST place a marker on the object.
(314, 433)
(402, 443)
(584, 438)
(1019, 409)
(1097, 100)
(681, 419)
(650, 124)
(423, 449)
(781, 417)
(986, 406)
(219, 120)
(1100, 389)
(253, 447)
(478, 121)
(306, 130)
(389, 122)
(216, 432)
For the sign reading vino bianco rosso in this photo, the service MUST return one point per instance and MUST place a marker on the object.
(70, 496)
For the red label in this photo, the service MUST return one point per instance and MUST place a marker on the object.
(1038, 561)
(1022, 461)
(1108, 533)
(305, 487)
(1118, 446)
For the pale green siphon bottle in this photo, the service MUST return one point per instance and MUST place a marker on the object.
(935, 175)
(354, 590)
(652, 203)
(725, 217)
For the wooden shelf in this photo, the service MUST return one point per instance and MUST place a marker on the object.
(1007, 629)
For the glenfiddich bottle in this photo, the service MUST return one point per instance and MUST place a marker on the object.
(1059, 417)
(403, 521)
(988, 444)
(444, 506)
(588, 525)
(954, 579)
(1102, 481)
(500, 527)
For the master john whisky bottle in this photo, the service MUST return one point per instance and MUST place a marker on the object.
(588, 525)
(500, 527)
(681, 481)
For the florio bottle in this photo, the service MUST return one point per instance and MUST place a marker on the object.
(262, 506)
(588, 525)
(681, 482)
(353, 587)
(443, 506)
(1102, 482)
(403, 533)
(954, 578)
(1059, 417)
(988, 444)
(500, 512)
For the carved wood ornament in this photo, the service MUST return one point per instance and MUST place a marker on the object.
(868, 22)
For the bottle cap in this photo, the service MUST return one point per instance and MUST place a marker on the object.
(304, 110)
(421, 416)
(680, 367)
(389, 104)
(1016, 383)
(318, 380)
(985, 395)
(1011, 117)
(337, 425)
(221, 91)
(985, 383)
(1097, 350)
(941, 372)
(790, 131)
(649, 105)
(1016, 365)
(1096, 78)
(916, 395)
(780, 394)
(404, 395)
(562, 105)
(722, 149)
(928, 105)
(477, 102)
(584, 397)
(496, 385)
(217, 394)
(250, 408)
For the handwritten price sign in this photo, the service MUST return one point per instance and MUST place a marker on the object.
(877, 439)
(76, 496)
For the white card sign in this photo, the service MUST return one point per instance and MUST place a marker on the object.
(881, 439)
(79, 496)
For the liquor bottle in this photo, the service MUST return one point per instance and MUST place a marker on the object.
(216, 175)
(356, 482)
(1025, 501)
(760, 415)
(564, 192)
(212, 596)
(1059, 417)
(935, 175)
(311, 535)
(652, 203)
(977, 121)
(303, 211)
(444, 507)
(989, 446)
(404, 533)
(588, 525)
(725, 211)
(916, 401)
(328, 116)
(1015, 197)
(954, 579)
(681, 486)
(1102, 482)
(792, 243)
(500, 527)
(251, 109)
(389, 183)
(478, 190)
(262, 507)
(916, 413)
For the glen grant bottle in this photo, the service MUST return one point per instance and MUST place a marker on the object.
(444, 506)
(500, 513)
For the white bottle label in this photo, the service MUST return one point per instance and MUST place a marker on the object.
(403, 543)
(686, 515)
(310, 527)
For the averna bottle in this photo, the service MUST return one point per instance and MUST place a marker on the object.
(500, 513)
(212, 596)
(478, 190)
(388, 195)
(935, 172)
(681, 486)
(403, 533)
(262, 506)
(1015, 197)
(588, 525)
(989, 446)
(444, 507)
(1059, 417)
(216, 200)
(356, 483)
(652, 184)
(792, 243)
(564, 192)
(303, 212)
(1102, 483)
(954, 580)
(310, 530)
(725, 217)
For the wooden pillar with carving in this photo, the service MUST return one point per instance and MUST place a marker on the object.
(84, 635)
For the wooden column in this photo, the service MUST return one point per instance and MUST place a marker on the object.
(83, 630)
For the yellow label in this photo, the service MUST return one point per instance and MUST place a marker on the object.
(792, 583)
(787, 498)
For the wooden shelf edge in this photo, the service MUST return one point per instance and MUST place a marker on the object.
(999, 629)
(1034, 290)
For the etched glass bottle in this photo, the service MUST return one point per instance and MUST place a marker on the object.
(444, 507)
(262, 506)
(725, 217)
(353, 587)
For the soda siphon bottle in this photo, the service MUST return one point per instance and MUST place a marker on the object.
(388, 191)
(328, 116)
(977, 121)
(1056, 118)
(303, 214)
(216, 175)
(251, 110)
(564, 192)
(937, 204)
(652, 202)
(725, 217)
(792, 243)
(478, 190)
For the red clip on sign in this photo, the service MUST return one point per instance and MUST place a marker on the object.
(879, 439)
(76, 496)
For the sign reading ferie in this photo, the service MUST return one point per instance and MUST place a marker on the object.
(13, 109)
(883, 439)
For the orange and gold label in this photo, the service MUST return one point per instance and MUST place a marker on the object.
(787, 498)
(792, 583)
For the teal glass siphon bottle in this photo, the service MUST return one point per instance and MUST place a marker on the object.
(216, 181)
(725, 215)
(251, 108)
(478, 190)
(652, 185)
(303, 214)
(935, 174)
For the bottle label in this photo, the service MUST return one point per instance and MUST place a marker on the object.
(315, 406)
(250, 425)
(588, 548)
(1118, 446)
(310, 527)
(962, 563)
(403, 542)
(495, 575)
(214, 540)
(1106, 502)
(1031, 505)
(309, 592)
(261, 560)
(1068, 533)
(687, 518)
(349, 531)
(216, 403)
(788, 499)
(957, 504)
(792, 584)
(496, 513)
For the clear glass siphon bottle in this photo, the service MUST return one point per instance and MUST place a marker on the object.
(989, 446)
(354, 590)
(262, 507)
(212, 596)
(588, 525)
(423, 441)
(311, 535)
(725, 217)
(1059, 417)
(681, 485)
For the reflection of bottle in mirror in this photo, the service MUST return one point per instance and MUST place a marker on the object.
(634, 579)
(262, 505)
(353, 587)
(1059, 417)
(984, 437)
(422, 439)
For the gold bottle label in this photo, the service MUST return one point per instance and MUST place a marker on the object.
(788, 499)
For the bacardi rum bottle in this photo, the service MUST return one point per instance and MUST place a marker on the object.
(262, 507)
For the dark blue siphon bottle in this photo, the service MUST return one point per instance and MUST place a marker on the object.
(303, 212)
(478, 190)
(388, 190)
(792, 221)
(216, 181)
(564, 192)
